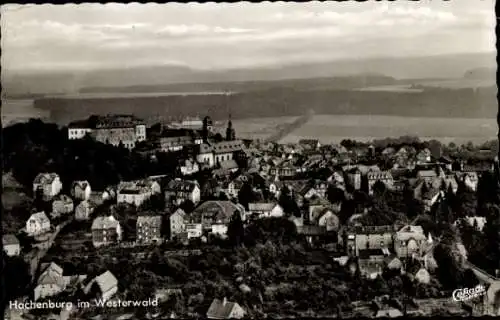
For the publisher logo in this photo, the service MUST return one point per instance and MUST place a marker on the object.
(468, 294)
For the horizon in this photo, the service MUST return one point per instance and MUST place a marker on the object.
(75, 38)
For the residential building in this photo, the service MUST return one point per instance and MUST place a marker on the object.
(423, 156)
(327, 219)
(205, 155)
(409, 241)
(354, 178)
(423, 276)
(80, 190)
(136, 192)
(50, 282)
(105, 231)
(369, 237)
(104, 286)
(283, 170)
(148, 229)
(177, 225)
(48, 185)
(62, 205)
(216, 215)
(178, 191)
(126, 130)
(223, 309)
(194, 230)
(172, 144)
(11, 245)
(189, 167)
(371, 263)
(469, 179)
(260, 209)
(383, 176)
(38, 224)
(84, 210)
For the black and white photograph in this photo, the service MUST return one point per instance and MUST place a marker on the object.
(250, 160)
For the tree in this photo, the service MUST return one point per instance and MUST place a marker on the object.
(246, 195)
(235, 230)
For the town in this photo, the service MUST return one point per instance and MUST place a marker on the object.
(202, 224)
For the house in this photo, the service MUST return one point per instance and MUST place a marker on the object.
(11, 245)
(409, 241)
(62, 205)
(327, 219)
(80, 190)
(216, 215)
(354, 178)
(176, 223)
(38, 224)
(478, 222)
(84, 210)
(428, 192)
(194, 230)
(368, 237)
(388, 313)
(105, 231)
(423, 276)
(371, 263)
(337, 180)
(233, 187)
(178, 191)
(283, 170)
(137, 192)
(205, 155)
(189, 167)
(223, 309)
(148, 229)
(103, 287)
(47, 185)
(423, 156)
(392, 262)
(50, 282)
(312, 232)
(261, 210)
(383, 176)
(469, 179)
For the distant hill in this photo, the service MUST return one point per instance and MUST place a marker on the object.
(443, 66)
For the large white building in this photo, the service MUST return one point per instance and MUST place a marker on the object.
(111, 129)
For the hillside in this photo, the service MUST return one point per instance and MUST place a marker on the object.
(431, 102)
(71, 81)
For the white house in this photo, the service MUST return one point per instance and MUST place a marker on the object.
(11, 245)
(80, 190)
(83, 210)
(51, 281)
(48, 184)
(137, 192)
(177, 225)
(107, 286)
(194, 230)
(178, 191)
(62, 205)
(38, 224)
(189, 167)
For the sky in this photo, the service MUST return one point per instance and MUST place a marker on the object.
(238, 35)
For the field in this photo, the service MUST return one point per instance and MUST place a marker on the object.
(333, 129)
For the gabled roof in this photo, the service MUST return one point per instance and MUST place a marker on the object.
(178, 185)
(106, 281)
(259, 206)
(82, 184)
(221, 309)
(45, 178)
(41, 217)
(51, 274)
(150, 220)
(217, 210)
(105, 223)
(9, 239)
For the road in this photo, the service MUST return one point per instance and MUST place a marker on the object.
(287, 129)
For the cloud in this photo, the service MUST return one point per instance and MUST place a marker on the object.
(225, 35)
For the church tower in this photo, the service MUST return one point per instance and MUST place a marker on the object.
(230, 133)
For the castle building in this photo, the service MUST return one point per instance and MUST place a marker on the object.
(126, 130)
